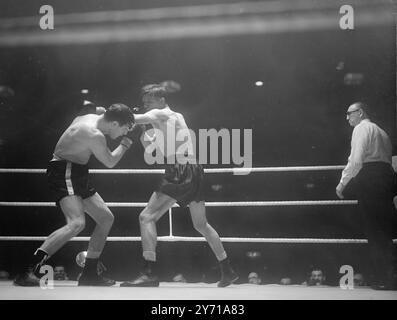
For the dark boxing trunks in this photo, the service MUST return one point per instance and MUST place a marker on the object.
(183, 182)
(67, 178)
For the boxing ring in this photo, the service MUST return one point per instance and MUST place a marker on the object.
(197, 291)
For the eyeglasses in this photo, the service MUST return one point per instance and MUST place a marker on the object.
(348, 113)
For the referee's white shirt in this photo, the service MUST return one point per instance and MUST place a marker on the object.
(369, 144)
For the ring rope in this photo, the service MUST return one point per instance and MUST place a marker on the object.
(217, 170)
(202, 239)
(207, 204)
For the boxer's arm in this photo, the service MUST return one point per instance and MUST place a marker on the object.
(151, 116)
(359, 142)
(100, 110)
(99, 148)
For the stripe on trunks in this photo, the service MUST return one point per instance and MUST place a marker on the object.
(68, 174)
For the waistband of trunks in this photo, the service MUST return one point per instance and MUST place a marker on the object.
(75, 166)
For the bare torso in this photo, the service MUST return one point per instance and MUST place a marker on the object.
(170, 126)
(73, 145)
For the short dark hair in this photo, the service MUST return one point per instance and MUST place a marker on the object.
(121, 113)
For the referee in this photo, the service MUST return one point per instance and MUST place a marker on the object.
(369, 176)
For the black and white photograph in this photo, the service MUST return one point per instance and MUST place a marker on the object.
(198, 155)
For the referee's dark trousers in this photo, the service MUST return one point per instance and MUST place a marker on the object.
(375, 188)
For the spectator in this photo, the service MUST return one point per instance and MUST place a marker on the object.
(254, 278)
(285, 281)
(359, 280)
(179, 278)
(4, 275)
(316, 278)
(60, 273)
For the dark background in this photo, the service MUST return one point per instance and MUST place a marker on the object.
(297, 118)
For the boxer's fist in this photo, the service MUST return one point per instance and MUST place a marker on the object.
(135, 133)
(126, 142)
(100, 110)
